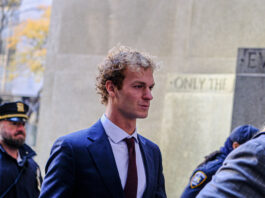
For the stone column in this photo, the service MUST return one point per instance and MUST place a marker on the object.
(197, 43)
(249, 99)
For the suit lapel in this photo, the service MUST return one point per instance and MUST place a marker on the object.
(148, 164)
(102, 154)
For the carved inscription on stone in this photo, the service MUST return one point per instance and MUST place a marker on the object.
(197, 108)
(200, 83)
(251, 60)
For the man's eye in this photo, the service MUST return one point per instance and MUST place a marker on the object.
(18, 123)
(138, 86)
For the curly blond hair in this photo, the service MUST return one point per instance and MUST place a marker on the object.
(113, 66)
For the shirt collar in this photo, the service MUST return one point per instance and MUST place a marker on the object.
(115, 133)
(19, 159)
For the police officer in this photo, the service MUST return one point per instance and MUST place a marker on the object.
(20, 175)
(204, 171)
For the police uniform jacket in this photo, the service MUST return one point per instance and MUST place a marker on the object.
(242, 174)
(26, 172)
(203, 174)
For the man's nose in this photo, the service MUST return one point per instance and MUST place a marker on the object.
(20, 126)
(148, 94)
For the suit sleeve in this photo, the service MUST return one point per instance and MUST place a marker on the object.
(242, 174)
(161, 192)
(59, 178)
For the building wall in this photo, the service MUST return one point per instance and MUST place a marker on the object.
(196, 42)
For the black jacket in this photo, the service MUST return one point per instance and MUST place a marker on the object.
(26, 172)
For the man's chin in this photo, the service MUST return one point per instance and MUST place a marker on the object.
(142, 116)
(14, 143)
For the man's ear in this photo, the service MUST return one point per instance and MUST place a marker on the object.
(235, 145)
(110, 87)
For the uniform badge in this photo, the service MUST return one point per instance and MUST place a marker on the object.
(20, 107)
(198, 178)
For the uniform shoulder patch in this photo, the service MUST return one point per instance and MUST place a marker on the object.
(197, 179)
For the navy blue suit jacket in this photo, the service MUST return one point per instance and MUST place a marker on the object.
(82, 164)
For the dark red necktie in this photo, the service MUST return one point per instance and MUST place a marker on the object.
(130, 189)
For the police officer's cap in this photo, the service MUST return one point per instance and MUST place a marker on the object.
(14, 111)
(243, 133)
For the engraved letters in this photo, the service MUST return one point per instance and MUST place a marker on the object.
(201, 83)
(256, 59)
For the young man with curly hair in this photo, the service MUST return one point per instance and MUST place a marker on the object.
(110, 159)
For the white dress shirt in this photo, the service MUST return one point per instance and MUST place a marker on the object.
(116, 138)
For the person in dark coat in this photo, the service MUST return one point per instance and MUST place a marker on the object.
(20, 176)
(204, 171)
(242, 173)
